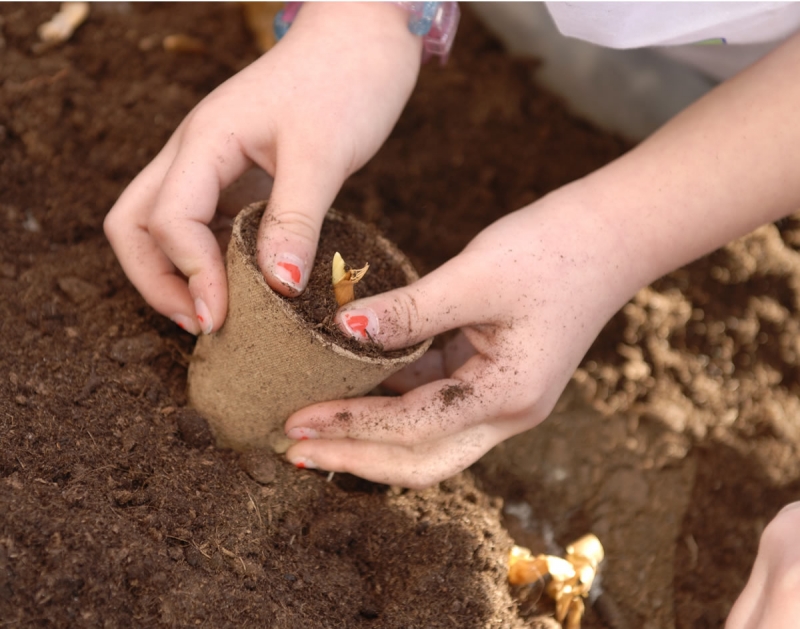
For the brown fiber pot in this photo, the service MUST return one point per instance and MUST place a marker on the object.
(266, 362)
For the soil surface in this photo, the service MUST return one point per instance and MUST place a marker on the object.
(675, 443)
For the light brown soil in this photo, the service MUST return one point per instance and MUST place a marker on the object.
(676, 442)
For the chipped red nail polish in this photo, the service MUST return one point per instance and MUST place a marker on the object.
(360, 324)
(289, 269)
(183, 322)
(293, 269)
(203, 315)
(302, 434)
(302, 463)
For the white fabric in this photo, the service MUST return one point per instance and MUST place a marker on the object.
(718, 37)
(640, 24)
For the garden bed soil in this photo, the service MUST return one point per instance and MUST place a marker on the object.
(675, 442)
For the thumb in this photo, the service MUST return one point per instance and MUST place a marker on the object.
(443, 300)
(289, 231)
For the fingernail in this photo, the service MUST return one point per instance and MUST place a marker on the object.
(184, 323)
(203, 316)
(303, 463)
(302, 434)
(289, 270)
(361, 324)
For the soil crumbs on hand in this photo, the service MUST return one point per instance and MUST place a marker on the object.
(675, 444)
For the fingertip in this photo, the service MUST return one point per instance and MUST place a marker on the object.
(284, 272)
(186, 323)
(208, 290)
(396, 319)
(302, 457)
(290, 228)
(302, 463)
(209, 313)
(361, 324)
(203, 315)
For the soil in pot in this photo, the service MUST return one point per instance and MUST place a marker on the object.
(358, 243)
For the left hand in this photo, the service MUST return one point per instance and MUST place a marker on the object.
(308, 113)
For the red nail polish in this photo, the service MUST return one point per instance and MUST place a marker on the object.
(357, 323)
(200, 319)
(293, 269)
(300, 465)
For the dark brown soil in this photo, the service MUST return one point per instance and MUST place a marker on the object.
(675, 443)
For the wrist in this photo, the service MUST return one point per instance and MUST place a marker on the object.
(366, 27)
(434, 23)
(585, 230)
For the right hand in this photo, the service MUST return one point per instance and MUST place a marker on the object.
(309, 112)
(529, 294)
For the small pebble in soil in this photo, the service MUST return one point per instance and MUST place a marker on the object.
(79, 291)
(137, 349)
(259, 465)
(193, 428)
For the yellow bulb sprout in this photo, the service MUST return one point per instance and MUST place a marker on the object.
(344, 280)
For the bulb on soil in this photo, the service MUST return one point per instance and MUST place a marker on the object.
(344, 279)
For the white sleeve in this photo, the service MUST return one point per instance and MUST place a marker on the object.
(645, 24)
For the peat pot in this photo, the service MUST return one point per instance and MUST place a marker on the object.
(267, 361)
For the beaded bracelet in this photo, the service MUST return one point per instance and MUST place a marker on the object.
(435, 22)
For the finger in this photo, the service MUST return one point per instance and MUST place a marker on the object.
(184, 206)
(443, 300)
(429, 412)
(433, 365)
(304, 190)
(148, 269)
(415, 467)
(500, 387)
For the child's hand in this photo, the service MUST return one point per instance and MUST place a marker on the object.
(771, 598)
(309, 112)
(532, 291)
(530, 294)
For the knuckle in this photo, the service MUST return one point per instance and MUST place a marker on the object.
(161, 226)
(112, 225)
(200, 120)
(520, 395)
(406, 316)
